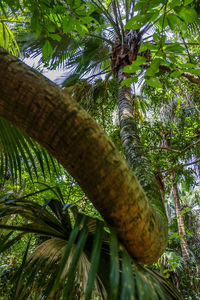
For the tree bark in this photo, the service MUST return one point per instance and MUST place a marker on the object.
(180, 222)
(40, 108)
(133, 148)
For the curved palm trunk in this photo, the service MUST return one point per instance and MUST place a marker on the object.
(180, 222)
(41, 109)
(133, 148)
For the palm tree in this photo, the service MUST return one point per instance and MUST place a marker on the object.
(77, 142)
(120, 30)
(126, 206)
(98, 27)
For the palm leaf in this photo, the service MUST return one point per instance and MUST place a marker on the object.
(6, 242)
(85, 61)
(77, 257)
(17, 278)
(95, 259)
(114, 267)
(7, 39)
(73, 265)
(17, 151)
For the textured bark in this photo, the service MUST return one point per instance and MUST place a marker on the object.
(180, 222)
(133, 148)
(41, 109)
(191, 77)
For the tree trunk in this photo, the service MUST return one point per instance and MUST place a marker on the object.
(133, 148)
(180, 222)
(41, 109)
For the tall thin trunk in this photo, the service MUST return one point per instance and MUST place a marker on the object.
(180, 222)
(133, 148)
(40, 108)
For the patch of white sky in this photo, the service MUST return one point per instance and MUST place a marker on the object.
(57, 75)
(53, 75)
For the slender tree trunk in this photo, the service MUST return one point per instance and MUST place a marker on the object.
(133, 148)
(180, 222)
(41, 109)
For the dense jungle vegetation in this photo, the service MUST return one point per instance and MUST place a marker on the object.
(99, 170)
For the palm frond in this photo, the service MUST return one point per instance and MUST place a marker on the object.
(77, 259)
(85, 61)
(19, 152)
(30, 46)
(7, 39)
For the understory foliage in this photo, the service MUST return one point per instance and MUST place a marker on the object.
(53, 243)
(173, 146)
(68, 258)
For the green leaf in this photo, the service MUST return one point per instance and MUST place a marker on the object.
(114, 271)
(157, 38)
(176, 74)
(139, 286)
(50, 26)
(173, 20)
(72, 238)
(134, 67)
(192, 71)
(18, 274)
(36, 26)
(89, 20)
(76, 256)
(128, 81)
(147, 46)
(185, 210)
(68, 24)
(128, 283)
(55, 37)
(188, 14)
(81, 29)
(175, 3)
(3, 9)
(163, 22)
(25, 151)
(145, 5)
(47, 49)
(96, 250)
(131, 69)
(138, 21)
(154, 67)
(154, 82)
(12, 153)
(175, 48)
(6, 242)
(186, 2)
(188, 65)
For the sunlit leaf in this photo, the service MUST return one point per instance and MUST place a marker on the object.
(154, 82)
(129, 81)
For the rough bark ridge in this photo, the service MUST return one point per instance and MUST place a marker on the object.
(40, 108)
